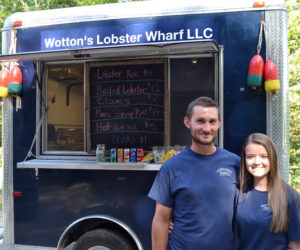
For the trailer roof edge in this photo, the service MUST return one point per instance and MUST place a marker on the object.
(133, 10)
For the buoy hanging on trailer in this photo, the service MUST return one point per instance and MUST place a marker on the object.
(272, 83)
(255, 72)
(15, 80)
(4, 77)
(256, 65)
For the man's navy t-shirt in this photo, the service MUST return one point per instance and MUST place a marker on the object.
(200, 189)
(253, 219)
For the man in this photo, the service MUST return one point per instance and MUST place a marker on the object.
(196, 188)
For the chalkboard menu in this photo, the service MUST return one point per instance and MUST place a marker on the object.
(127, 105)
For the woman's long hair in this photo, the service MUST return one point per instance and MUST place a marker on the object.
(277, 196)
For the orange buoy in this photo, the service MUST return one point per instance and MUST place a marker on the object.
(4, 76)
(272, 83)
(15, 80)
(255, 72)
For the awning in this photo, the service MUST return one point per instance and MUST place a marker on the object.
(164, 49)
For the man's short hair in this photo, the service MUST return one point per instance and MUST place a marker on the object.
(203, 101)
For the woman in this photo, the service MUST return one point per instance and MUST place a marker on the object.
(267, 209)
(267, 215)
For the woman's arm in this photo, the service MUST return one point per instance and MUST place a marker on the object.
(294, 245)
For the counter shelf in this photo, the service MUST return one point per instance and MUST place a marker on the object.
(87, 165)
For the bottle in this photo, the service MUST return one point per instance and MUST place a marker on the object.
(100, 153)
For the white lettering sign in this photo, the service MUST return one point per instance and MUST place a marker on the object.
(113, 39)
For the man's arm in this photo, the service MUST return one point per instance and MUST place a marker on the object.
(160, 225)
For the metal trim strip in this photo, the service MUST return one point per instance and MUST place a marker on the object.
(103, 217)
(134, 10)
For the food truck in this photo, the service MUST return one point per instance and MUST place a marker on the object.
(117, 78)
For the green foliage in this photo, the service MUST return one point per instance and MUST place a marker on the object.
(294, 95)
(295, 133)
(8, 7)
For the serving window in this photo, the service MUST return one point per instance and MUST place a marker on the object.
(123, 104)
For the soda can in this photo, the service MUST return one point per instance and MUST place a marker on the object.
(139, 155)
(133, 155)
(113, 155)
(120, 156)
(126, 154)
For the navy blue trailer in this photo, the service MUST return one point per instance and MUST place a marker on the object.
(122, 75)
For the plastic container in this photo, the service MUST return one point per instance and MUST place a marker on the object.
(161, 154)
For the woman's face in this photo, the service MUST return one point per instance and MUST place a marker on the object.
(257, 161)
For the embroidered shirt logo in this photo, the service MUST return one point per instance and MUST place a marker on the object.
(224, 172)
(265, 207)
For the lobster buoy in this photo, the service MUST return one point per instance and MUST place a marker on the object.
(15, 80)
(272, 83)
(255, 72)
(4, 76)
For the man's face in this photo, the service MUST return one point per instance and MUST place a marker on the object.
(204, 125)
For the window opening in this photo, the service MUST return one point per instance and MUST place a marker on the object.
(65, 100)
(189, 78)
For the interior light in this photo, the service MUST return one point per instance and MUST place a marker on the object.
(194, 60)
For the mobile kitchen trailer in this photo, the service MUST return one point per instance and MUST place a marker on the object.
(122, 75)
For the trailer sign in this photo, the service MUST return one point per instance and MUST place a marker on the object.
(131, 34)
(148, 37)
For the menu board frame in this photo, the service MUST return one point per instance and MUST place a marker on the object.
(89, 105)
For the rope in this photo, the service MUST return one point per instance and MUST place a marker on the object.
(261, 31)
(29, 154)
(267, 44)
(12, 50)
(18, 103)
(260, 37)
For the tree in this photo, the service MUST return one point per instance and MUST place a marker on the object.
(294, 95)
(8, 7)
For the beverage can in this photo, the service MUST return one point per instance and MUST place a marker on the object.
(133, 155)
(100, 153)
(139, 155)
(120, 156)
(113, 155)
(126, 154)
